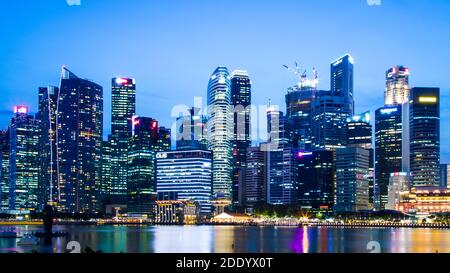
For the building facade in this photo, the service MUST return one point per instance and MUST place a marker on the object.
(220, 133)
(123, 108)
(255, 177)
(352, 186)
(397, 86)
(4, 169)
(342, 82)
(79, 139)
(388, 151)
(192, 131)
(424, 137)
(186, 174)
(444, 175)
(24, 135)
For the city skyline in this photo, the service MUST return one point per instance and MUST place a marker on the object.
(154, 62)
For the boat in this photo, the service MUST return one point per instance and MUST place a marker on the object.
(28, 240)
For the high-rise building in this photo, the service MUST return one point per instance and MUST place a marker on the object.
(241, 86)
(342, 81)
(281, 167)
(388, 151)
(359, 131)
(23, 160)
(79, 139)
(4, 169)
(329, 121)
(48, 190)
(192, 131)
(255, 177)
(397, 86)
(352, 186)
(424, 127)
(444, 175)
(123, 108)
(188, 174)
(147, 138)
(220, 133)
(316, 174)
(399, 185)
(105, 183)
(299, 106)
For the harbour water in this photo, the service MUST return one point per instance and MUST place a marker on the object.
(236, 239)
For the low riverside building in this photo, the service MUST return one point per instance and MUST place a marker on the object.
(429, 200)
(176, 212)
(232, 218)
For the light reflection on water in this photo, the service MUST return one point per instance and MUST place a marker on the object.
(228, 239)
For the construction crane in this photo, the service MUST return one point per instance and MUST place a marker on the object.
(303, 77)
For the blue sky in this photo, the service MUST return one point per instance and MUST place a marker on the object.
(171, 47)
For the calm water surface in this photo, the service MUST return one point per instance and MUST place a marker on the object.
(229, 239)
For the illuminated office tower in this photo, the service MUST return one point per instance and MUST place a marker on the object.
(186, 174)
(192, 131)
(352, 186)
(255, 177)
(79, 143)
(444, 175)
(220, 133)
(4, 169)
(241, 87)
(147, 138)
(397, 86)
(105, 183)
(123, 108)
(399, 185)
(23, 161)
(329, 121)
(299, 103)
(48, 186)
(342, 82)
(281, 165)
(316, 173)
(388, 151)
(424, 137)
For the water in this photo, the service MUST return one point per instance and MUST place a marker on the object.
(230, 239)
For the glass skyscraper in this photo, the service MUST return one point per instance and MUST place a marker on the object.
(241, 86)
(79, 138)
(4, 169)
(424, 127)
(342, 81)
(388, 150)
(192, 131)
(397, 86)
(48, 190)
(220, 133)
(147, 138)
(123, 108)
(23, 161)
(316, 173)
(255, 177)
(187, 175)
(105, 183)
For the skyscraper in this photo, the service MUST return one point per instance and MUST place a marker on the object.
(192, 131)
(105, 183)
(342, 81)
(48, 190)
(23, 160)
(299, 106)
(4, 169)
(241, 86)
(255, 177)
(444, 175)
(329, 121)
(123, 109)
(79, 143)
(281, 167)
(359, 131)
(352, 187)
(397, 86)
(388, 151)
(220, 133)
(187, 175)
(147, 138)
(424, 126)
(316, 173)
